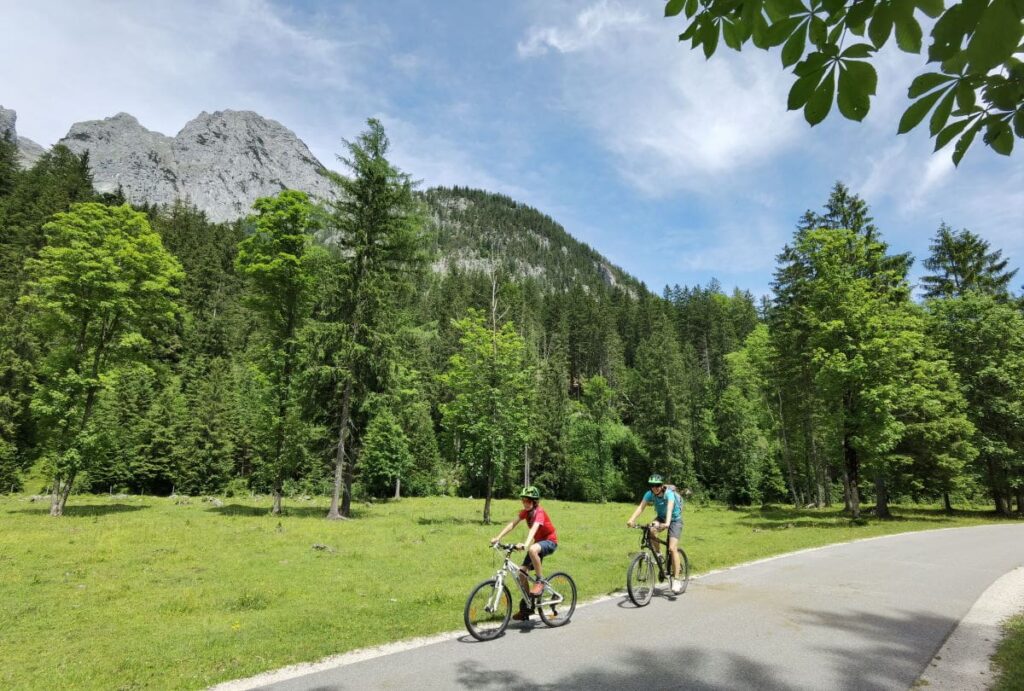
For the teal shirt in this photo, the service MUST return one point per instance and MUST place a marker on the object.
(661, 504)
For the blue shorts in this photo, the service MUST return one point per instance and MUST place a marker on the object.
(546, 548)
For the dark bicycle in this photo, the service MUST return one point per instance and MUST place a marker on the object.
(650, 568)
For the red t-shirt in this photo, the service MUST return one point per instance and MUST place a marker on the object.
(546, 531)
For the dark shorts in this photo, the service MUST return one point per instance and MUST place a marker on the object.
(546, 548)
(675, 529)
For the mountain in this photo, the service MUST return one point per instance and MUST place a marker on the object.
(28, 151)
(476, 230)
(222, 162)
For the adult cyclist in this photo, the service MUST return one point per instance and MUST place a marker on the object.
(668, 506)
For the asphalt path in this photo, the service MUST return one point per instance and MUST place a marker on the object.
(862, 615)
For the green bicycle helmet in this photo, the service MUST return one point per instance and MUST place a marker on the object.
(530, 492)
(655, 479)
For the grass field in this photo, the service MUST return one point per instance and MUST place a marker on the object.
(138, 592)
(1009, 657)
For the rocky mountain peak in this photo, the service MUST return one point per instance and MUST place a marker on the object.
(28, 151)
(221, 162)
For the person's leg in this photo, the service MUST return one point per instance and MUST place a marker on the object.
(655, 540)
(673, 543)
(535, 559)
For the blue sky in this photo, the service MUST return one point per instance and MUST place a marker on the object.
(677, 169)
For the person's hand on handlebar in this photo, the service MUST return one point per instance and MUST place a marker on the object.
(630, 524)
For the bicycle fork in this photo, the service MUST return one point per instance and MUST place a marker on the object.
(499, 589)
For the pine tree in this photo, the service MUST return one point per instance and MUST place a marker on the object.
(276, 263)
(961, 261)
(376, 223)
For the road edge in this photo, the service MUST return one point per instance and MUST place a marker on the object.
(964, 661)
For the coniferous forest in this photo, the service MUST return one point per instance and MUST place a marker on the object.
(394, 342)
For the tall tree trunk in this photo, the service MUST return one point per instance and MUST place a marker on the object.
(847, 505)
(946, 503)
(339, 453)
(277, 492)
(881, 497)
(786, 458)
(61, 490)
(398, 488)
(853, 471)
(488, 492)
(1020, 500)
(813, 462)
(827, 473)
(526, 466)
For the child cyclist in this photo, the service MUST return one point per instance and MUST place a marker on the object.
(669, 508)
(540, 542)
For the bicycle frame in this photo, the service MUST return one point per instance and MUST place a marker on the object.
(510, 568)
(664, 562)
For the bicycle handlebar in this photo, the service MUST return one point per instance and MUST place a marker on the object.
(508, 547)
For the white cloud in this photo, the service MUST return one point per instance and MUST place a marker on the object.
(671, 120)
(166, 62)
(585, 32)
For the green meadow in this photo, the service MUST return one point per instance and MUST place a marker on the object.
(146, 592)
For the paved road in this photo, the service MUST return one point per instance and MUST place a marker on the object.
(866, 615)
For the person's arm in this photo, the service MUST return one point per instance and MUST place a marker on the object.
(510, 526)
(632, 519)
(531, 534)
(668, 509)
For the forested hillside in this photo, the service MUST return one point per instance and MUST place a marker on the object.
(453, 341)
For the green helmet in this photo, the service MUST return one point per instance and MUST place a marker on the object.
(530, 492)
(655, 480)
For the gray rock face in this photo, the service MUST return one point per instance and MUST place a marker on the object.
(28, 151)
(221, 162)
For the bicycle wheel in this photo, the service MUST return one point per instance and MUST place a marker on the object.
(487, 610)
(558, 601)
(640, 578)
(684, 569)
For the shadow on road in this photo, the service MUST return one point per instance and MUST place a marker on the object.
(666, 667)
(897, 641)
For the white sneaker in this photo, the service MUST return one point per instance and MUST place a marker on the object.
(677, 586)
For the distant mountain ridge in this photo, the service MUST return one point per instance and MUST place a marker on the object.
(222, 162)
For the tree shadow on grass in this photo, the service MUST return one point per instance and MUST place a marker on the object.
(246, 511)
(450, 520)
(783, 518)
(87, 511)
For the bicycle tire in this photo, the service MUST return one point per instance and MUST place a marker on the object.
(557, 614)
(640, 579)
(684, 569)
(481, 624)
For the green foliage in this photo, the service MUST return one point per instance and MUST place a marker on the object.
(8, 164)
(491, 387)
(385, 456)
(962, 262)
(376, 225)
(276, 264)
(659, 399)
(986, 341)
(102, 291)
(973, 47)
